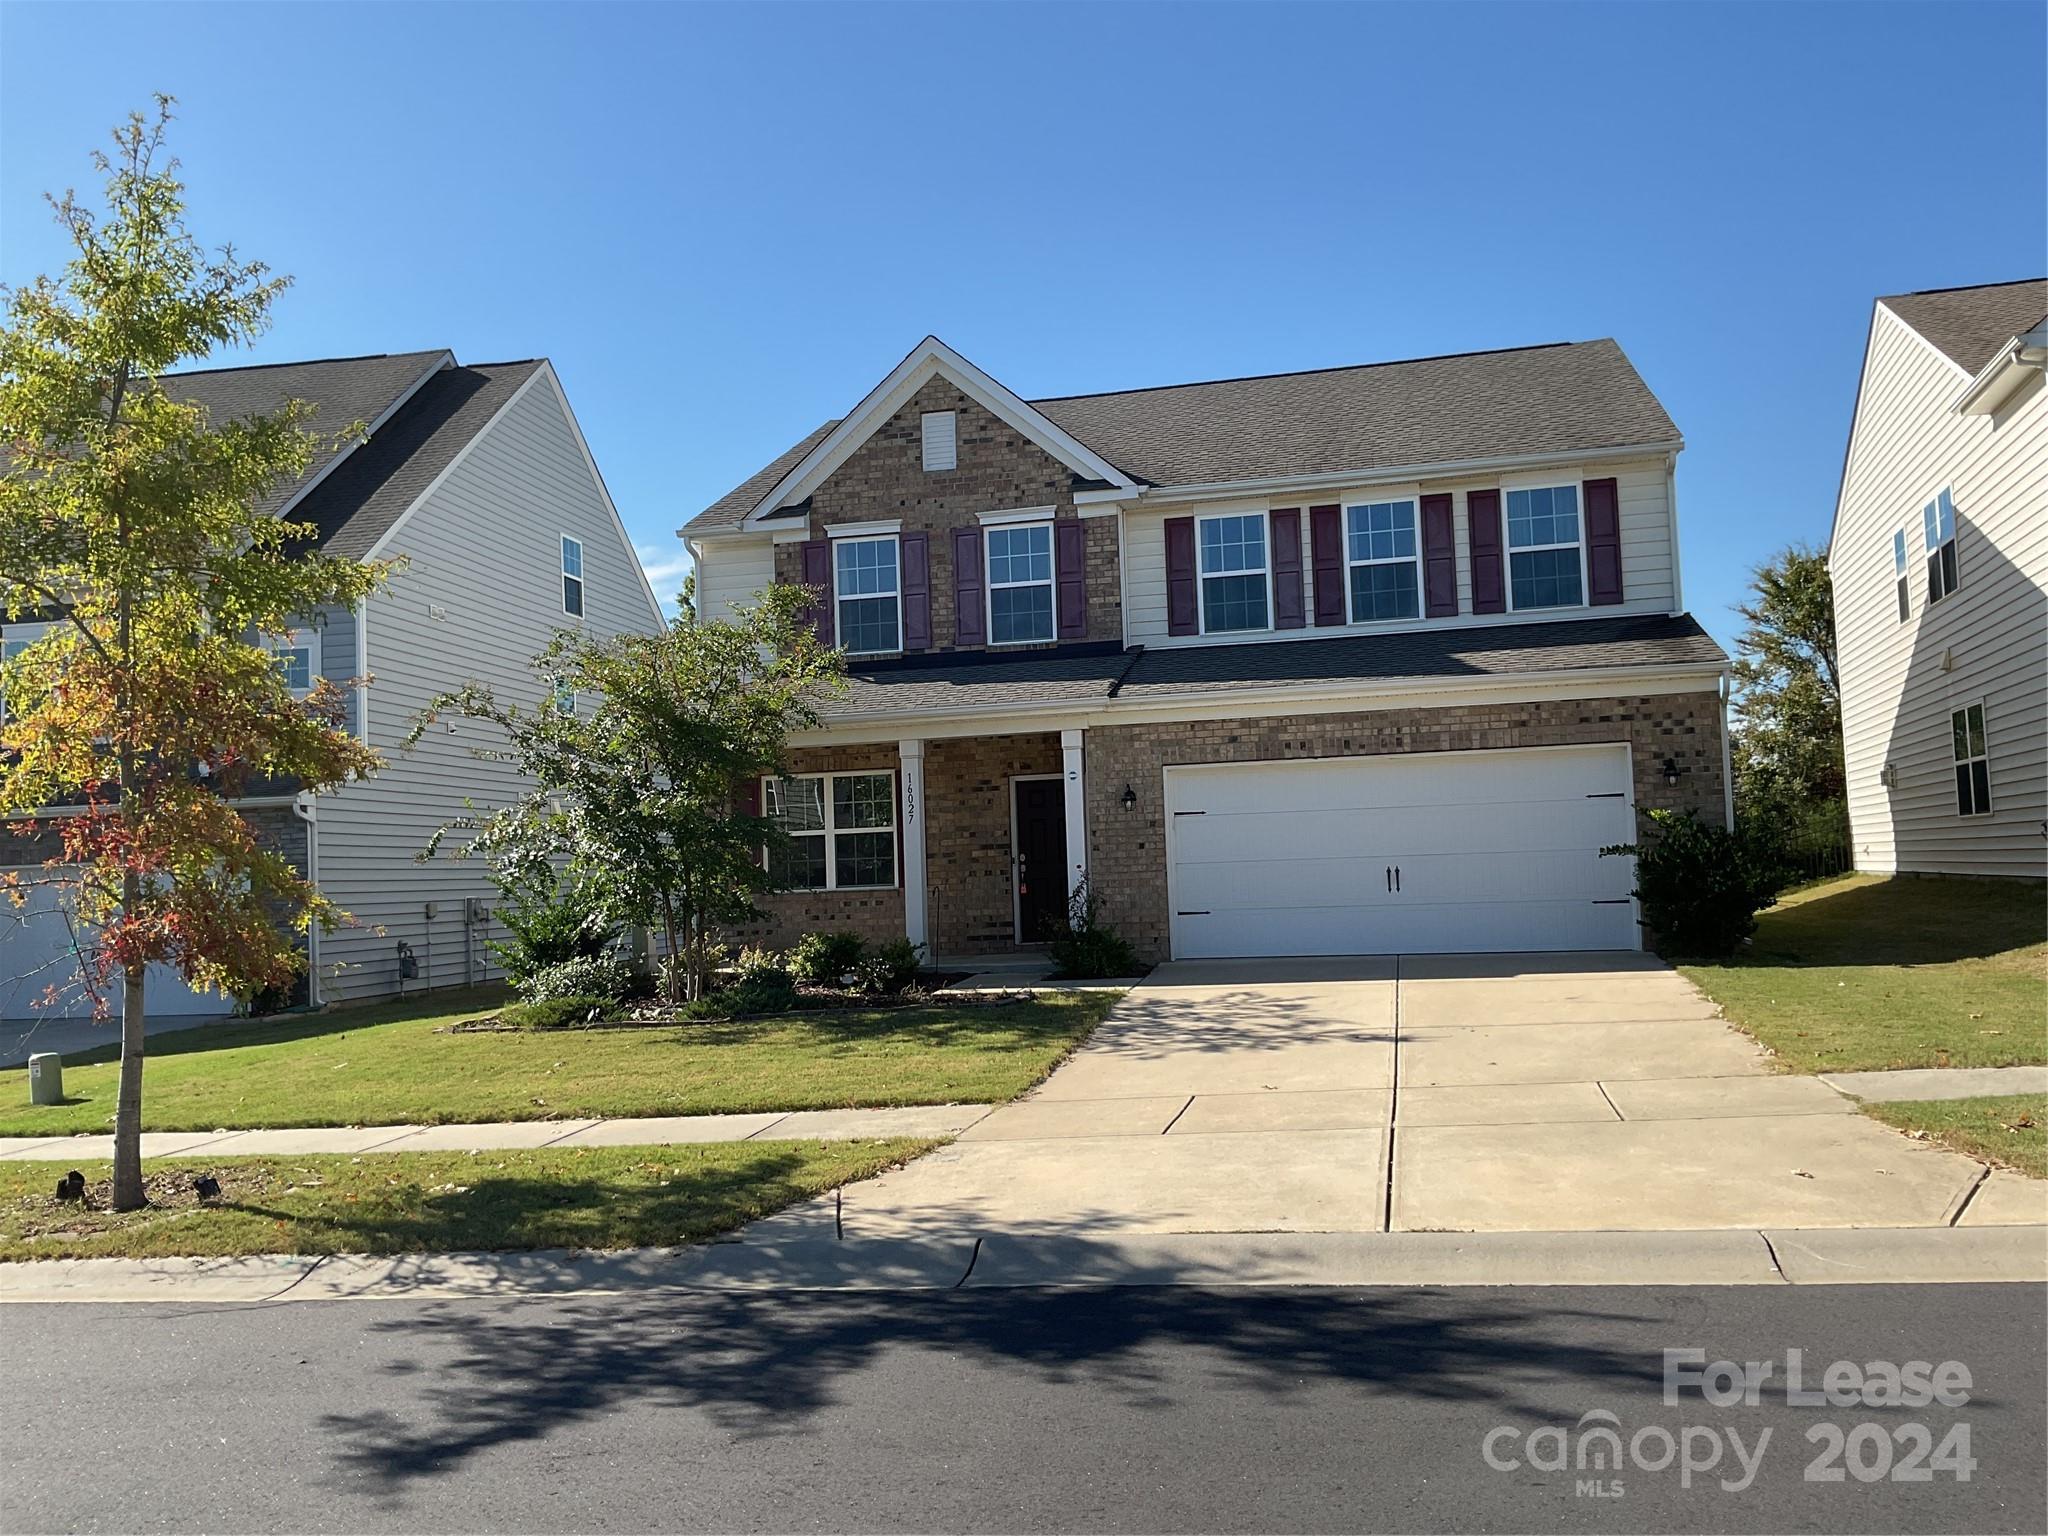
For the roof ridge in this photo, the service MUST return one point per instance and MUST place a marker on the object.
(1302, 373)
(1928, 293)
(305, 362)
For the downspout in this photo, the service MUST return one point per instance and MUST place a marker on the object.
(302, 807)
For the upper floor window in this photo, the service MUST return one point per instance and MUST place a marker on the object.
(940, 432)
(842, 831)
(1020, 584)
(295, 662)
(1384, 561)
(1546, 554)
(572, 576)
(562, 697)
(868, 593)
(15, 642)
(1899, 574)
(1233, 570)
(1973, 762)
(1938, 522)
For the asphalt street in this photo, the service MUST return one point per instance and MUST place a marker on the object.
(1024, 1410)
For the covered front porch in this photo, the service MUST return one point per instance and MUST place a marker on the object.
(968, 845)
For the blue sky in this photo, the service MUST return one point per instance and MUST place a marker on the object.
(724, 224)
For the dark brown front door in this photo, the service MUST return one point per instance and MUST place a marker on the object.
(1041, 857)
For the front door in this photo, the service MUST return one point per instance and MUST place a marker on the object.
(1041, 857)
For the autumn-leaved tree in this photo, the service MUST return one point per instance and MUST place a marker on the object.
(1787, 746)
(639, 758)
(129, 526)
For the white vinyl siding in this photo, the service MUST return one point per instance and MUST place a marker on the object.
(479, 596)
(1987, 642)
(732, 572)
(1648, 561)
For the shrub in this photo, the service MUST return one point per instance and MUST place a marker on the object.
(822, 959)
(758, 967)
(604, 976)
(1088, 948)
(890, 970)
(1701, 888)
(544, 925)
(555, 1013)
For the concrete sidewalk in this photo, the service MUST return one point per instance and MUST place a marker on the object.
(1784, 1256)
(1911, 1084)
(799, 1125)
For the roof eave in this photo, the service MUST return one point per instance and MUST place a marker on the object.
(2000, 378)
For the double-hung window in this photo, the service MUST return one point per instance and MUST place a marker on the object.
(572, 576)
(842, 831)
(294, 656)
(1899, 574)
(1938, 524)
(12, 646)
(1546, 555)
(869, 594)
(1973, 762)
(1233, 570)
(1020, 583)
(1384, 561)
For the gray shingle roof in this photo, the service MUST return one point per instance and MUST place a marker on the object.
(1561, 398)
(371, 489)
(343, 391)
(1967, 325)
(967, 682)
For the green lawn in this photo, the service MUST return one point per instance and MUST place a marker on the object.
(1868, 973)
(434, 1202)
(2011, 1130)
(390, 1064)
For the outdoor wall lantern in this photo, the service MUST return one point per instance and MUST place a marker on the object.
(1130, 797)
(1671, 770)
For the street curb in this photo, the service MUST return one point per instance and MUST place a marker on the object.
(1810, 1256)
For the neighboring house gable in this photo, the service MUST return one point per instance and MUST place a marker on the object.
(1939, 557)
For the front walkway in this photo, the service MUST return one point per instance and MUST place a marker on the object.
(1536, 1093)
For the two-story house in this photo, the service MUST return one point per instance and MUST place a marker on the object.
(1939, 557)
(476, 480)
(1357, 660)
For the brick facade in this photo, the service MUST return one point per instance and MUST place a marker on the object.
(875, 915)
(997, 469)
(1127, 849)
(967, 836)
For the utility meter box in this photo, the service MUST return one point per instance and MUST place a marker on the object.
(46, 1078)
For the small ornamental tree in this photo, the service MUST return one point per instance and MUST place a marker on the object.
(128, 525)
(640, 758)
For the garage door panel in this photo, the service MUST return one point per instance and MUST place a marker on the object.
(37, 954)
(1495, 850)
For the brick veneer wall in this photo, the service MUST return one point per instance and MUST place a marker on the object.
(1127, 849)
(997, 469)
(874, 915)
(967, 836)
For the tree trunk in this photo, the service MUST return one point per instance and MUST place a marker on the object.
(128, 1195)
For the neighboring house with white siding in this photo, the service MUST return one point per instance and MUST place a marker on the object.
(1358, 660)
(476, 479)
(1939, 558)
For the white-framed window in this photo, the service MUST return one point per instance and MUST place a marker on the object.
(1899, 574)
(572, 576)
(1938, 526)
(17, 639)
(562, 697)
(1231, 558)
(296, 662)
(867, 588)
(1973, 761)
(842, 830)
(1546, 550)
(1020, 593)
(940, 432)
(1383, 562)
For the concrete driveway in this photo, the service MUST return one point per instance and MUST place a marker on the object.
(1421, 1093)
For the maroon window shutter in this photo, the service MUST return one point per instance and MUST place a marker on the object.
(969, 627)
(1183, 614)
(1439, 557)
(1070, 568)
(1603, 540)
(1285, 526)
(917, 591)
(818, 574)
(1489, 590)
(1326, 552)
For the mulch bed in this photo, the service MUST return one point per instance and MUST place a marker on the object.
(168, 1191)
(650, 1015)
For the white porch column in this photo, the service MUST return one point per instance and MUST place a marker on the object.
(915, 923)
(1076, 809)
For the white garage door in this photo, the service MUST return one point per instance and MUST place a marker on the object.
(1425, 853)
(37, 953)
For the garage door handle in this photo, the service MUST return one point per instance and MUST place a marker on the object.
(1390, 877)
(1397, 877)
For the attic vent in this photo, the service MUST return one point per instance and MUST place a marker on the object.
(938, 440)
